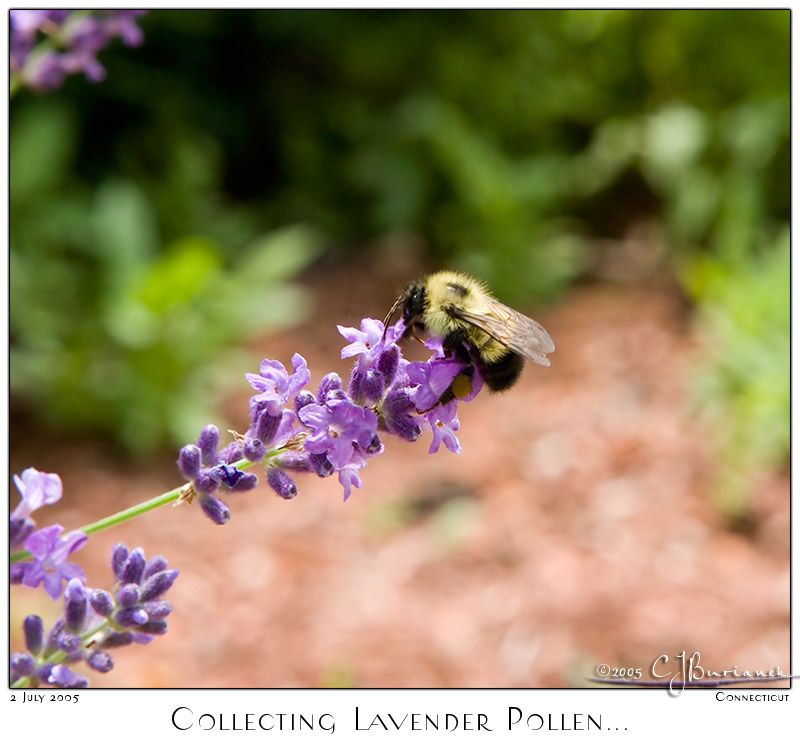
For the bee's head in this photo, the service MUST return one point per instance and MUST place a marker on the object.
(413, 302)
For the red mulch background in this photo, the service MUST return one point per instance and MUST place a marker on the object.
(577, 526)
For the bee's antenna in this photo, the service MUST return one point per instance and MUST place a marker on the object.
(389, 316)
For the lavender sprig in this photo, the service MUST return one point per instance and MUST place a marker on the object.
(293, 430)
(95, 621)
(336, 430)
(46, 46)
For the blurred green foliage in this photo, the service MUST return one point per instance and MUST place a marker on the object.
(507, 139)
(113, 331)
(743, 381)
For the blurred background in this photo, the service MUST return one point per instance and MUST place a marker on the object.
(245, 180)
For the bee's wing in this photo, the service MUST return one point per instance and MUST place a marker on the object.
(521, 334)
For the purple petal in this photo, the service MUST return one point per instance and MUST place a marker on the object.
(36, 489)
(64, 677)
(41, 543)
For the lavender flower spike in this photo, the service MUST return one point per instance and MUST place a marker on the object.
(48, 45)
(336, 430)
(95, 620)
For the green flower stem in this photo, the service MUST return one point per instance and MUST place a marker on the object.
(14, 84)
(134, 511)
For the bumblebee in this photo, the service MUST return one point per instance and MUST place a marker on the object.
(460, 310)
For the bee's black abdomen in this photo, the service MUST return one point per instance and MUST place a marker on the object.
(503, 373)
(454, 341)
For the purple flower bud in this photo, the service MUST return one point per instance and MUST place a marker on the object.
(375, 446)
(254, 450)
(68, 642)
(245, 482)
(297, 461)
(119, 557)
(157, 609)
(208, 441)
(231, 452)
(128, 595)
(43, 673)
(138, 616)
(134, 567)
(102, 603)
(356, 386)
(265, 425)
(75, 606)
(208, 481)
(398, 400)
(62, 676)
(154, 565)
(214, 509)
(114, 639)
(16, 572)
(100, 661)
(47, 71)
(19, 530)
(397, 414)
(22, 665)
(366, 386)
(130, 617)
(321, 464)
(404, 426)
(158, 584)
(34, 633)
(189, 461)
(52, 637)
(304, 397)
(281, 483)
(156, 628)
(329, 383)
(129, 32)
(387, 363)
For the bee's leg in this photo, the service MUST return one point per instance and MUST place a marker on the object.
(459, 387)
(415, 328)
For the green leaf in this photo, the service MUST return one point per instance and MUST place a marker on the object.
(41, 148)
